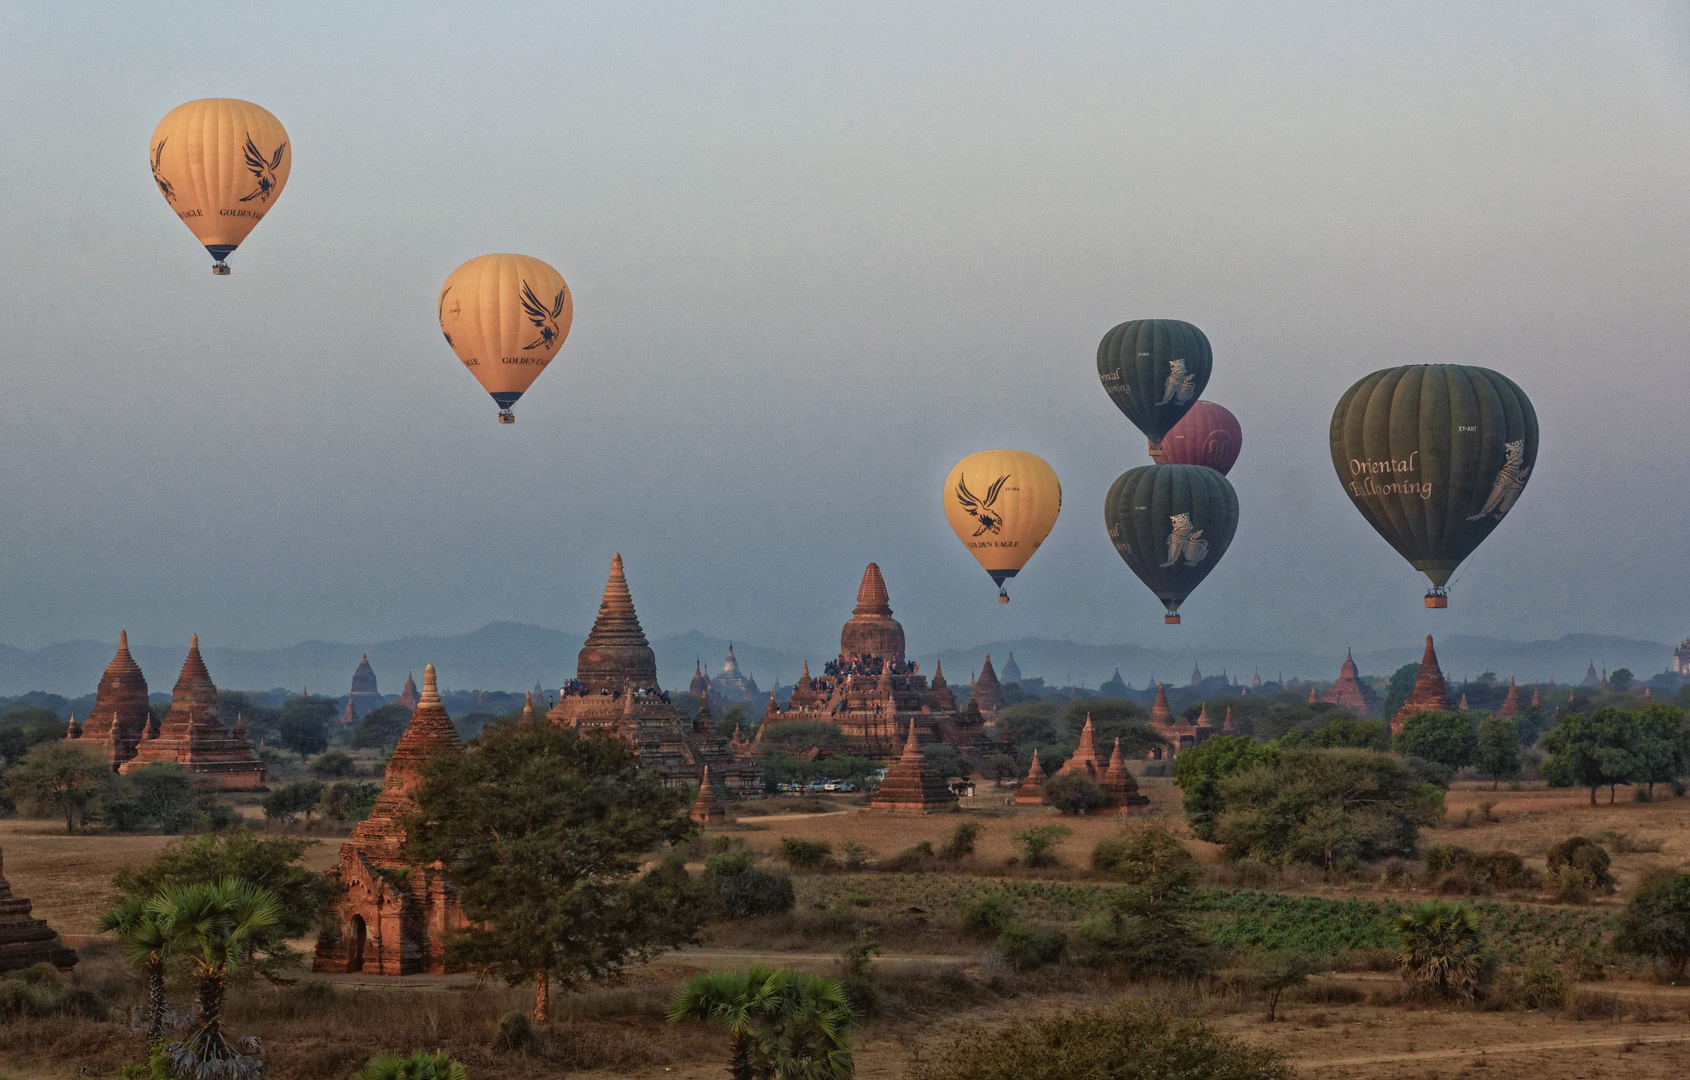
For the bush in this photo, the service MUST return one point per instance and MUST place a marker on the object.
(1578, 866)
(161, 796)
(912, 859)
(1448, 738)
(1427, 771)
(1149, 856)
(854, 855)
(515, 1035)
(1656, 923)
(334, 765)
(381, 728)
(986, 917)
(1122, 1042)
(1026, 948)
(739, 890)
(1072, 793)
(287, 803)
(805, 854)
(961, 843)
(1542, 985)
(349, 801)
(1462, 871)
(1036, 844)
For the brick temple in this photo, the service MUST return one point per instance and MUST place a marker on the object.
(1430, 693)
(120, 718)
(875, 696)
(392, 916)
(911, 785)
(25, 940)
(615, 691)
(193, 736)
(1350, 692)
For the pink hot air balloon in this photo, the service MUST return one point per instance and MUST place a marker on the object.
(1207, 435)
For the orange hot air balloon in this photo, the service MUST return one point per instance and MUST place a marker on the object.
(506, 316)
(221, 164)
(1002, 504)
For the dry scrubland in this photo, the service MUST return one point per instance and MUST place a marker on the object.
(937, 985)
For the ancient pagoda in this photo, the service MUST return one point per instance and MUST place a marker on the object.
(26, 941)
(1350, 692)
(408, 697)
(1511, 704)
(731, 685)
(1180, 733)
(988, 692)
(615, 691)
(708, 809)
(364, 696)
(1083, 761)
(392, 916)
(193, 737)
(1430, 694)
(911, 785)
(1011, 670)
(1032, 789)
(874, 694)
(120, 717)
(1119, 784)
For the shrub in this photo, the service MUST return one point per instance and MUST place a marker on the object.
(1579, 865)
(334, 765)
(912, 859)
(806, 854)
(961, 843)
(1149, 856)
(1542, 985)
(1461, 871)
(1427, 771)
(856, 975)
(1656, 922)
(515, 1035)
(349, 800)
(1026, 948)
(739, 890)
(287, 803)
(1072, 793)
(986, 917)
(854, 855)
(1036, 844)
(1448, 738)
(419, 1066)
(1129, 1042)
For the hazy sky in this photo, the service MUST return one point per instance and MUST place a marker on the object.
(819, 252)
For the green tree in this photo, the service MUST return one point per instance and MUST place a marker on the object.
(304, 725)
(1340, 731)
(1442, 952)
(1148, 857)
(1148, 928)
(944, 759)
(1398, 689)
(1656, 922)
(542, 833)
(61, 778)
(1445, 737)
(1619, 678)
(1271, 972)
(1038, 842)
(1073, 793)
(1662, 744)
(287, 803)
(381, 728)
(1321, 806)
(1595, 749)
(1497, 751)
(334, 765)
(419, 1066)
(146, 941)
(1200, 770)
(349, 801)
(216, 928)
(159, 795)
(739, 890)
(271, 862)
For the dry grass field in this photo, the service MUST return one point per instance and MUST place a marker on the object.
(938, 986)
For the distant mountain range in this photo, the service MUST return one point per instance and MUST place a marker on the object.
(514, 656)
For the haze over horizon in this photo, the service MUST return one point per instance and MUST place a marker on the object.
(818, 256)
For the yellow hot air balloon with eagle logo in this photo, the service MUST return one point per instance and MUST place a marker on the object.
(506, 317)
(1002, 504)
(221, 164)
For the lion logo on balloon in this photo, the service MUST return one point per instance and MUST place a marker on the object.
(263, 169)
(1181, 386)
(1185, 542)
(990, 520)
(1510, 482)
(543, 318)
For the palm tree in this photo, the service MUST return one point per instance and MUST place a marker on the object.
(811, 1038)
(746, 1001)
(214, 926)
(419, 1066)
(1443, 951)
(146, 943)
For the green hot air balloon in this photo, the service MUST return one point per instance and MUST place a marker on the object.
(1434, 455)
(1154, 370)
(1171, 524)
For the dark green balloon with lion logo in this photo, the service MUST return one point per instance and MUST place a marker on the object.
(1434, 456)
(1171, 524)
(1154, 370)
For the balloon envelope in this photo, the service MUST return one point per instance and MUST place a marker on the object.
(221, 164)
(1154, 370)
(1209, 435)
(1171, 524)
(1002, 504)
(1434, 456)
(506, 317)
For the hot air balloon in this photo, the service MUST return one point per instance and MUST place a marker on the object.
(1209, 435)
(505, 316)
(1154, 370)
(1171, 524)
(1002, 504)
(1434, 456)
(221, 164)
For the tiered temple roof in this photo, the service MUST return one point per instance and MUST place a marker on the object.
(1181, 733)
(874, 698)
(1011, 670)
(408, 697)
(988, 693)
(1511, 704)
(24, 940)
(193, 736)
(707, 809)
(365, 695)
(1430, 693)
(911, 785)
(391, 917)
(1031, 792)
(1083, 762)
(1350, 692)
(1119, 784)
(120, 716)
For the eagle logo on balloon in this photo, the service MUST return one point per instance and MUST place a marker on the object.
(164, 185)
(981, 509)
(543, 318)
(263, 169)
(1510, 481)
(1180, 387)
(1185, 542)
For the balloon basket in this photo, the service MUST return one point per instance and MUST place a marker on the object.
(1157, 453)
(220, 268)
(506, 416)
(1171, 619)
(1437, 598)
(1003, 596)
